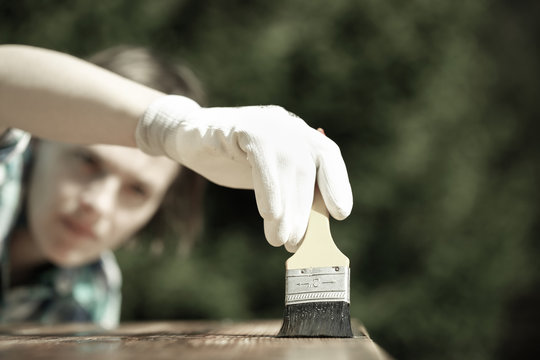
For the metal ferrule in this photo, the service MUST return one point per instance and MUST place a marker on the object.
(317, 285)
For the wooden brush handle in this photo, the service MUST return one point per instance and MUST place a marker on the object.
(318, 248)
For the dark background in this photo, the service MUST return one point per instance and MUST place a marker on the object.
(435, 107)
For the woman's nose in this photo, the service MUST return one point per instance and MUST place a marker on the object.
(100, 196)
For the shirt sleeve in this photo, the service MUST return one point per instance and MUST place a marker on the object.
(13, 142)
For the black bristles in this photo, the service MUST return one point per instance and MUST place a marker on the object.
(317, 319)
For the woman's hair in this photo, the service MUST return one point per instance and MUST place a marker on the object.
(145, 67)
(179, 219)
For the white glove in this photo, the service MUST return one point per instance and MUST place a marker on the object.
(264, 148)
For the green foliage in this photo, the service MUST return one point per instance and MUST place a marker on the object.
(434, 105)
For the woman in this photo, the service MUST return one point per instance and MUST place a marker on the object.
(80, 203)
(264, 148)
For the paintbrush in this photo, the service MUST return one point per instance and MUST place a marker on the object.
(317, 283)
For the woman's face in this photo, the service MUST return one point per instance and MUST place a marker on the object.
(85, 199)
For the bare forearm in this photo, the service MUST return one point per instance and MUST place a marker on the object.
(59, 97)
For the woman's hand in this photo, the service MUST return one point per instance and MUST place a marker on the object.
(264, 148)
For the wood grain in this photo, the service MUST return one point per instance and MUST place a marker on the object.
(199, 340)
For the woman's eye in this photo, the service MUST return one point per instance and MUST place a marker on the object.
(85, 158)
(138, 190)
(86, 162)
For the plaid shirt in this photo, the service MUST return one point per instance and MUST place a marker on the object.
(89, 293)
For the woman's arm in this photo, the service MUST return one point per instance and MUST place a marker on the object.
(60, 97)
(265, 148)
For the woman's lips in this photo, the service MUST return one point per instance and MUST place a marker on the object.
(78, 229)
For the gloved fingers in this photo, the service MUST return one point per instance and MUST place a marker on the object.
(289, 229)
(333, 180)
(284, 193)
(299, 207)
(268, 193)
(275, 231)
(290, 247)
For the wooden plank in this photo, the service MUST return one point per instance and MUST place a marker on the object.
(199, 340)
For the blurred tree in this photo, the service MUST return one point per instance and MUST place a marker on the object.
(434, 105)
